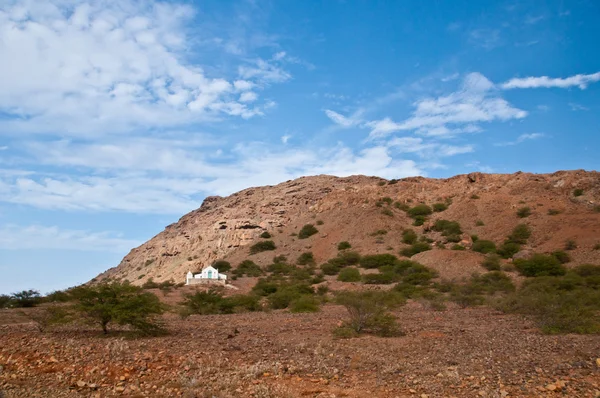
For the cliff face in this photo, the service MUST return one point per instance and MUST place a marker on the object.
(349, 209)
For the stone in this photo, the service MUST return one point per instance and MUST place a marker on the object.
(81, 383)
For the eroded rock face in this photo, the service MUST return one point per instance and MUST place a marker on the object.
(225, 227)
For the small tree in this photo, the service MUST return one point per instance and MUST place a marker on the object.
(349, 275)
(120, 303)
(222, 265)
(409, 236)
(368, 312)
(524, 212)
(262, 246)
(26, 298)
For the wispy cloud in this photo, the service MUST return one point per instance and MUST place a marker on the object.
(83, 68)
(15, 237)
(344, 121)
(521, 138)
(578, 107)
(579, 80)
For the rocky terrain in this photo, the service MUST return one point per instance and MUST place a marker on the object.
(348, 210)
(474, 352)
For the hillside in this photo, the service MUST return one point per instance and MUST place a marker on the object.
(350, 209)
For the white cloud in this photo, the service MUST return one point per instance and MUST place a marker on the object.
(285, 138)
(80, 67)
(248, 96)
(15, 237)
(154, 176)
(476, 101)
(521, 138)
(578, 107)
(342, 120)
(429, 150)
(579, 80)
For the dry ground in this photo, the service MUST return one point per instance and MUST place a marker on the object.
(454, 353)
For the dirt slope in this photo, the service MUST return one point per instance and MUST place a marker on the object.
(346, 208)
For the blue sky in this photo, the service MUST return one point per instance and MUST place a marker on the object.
(118, 117)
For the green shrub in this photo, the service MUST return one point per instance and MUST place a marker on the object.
(5, 301)
(344, 332)
(307, 231)
(248, 268)
(368, 313)
(349, 275)
(474, 196)
(419, 220)
(479, 223)
(508, 249)
(558, 304)
(57, 296)
(524, 212)
(306, 258)
(281, 268)
(520, 234)
(262, 246)
(378, 260)
(419, 210)
(447, 228)
(386, 200)
(484, 246)
(283, 297)
(387, 212)
(378, 279)
(540, 265)
(415, 248)
(458, 247)
(553, 212)
(213, 302)
(305, 303)
(491, 262)
(570, 245)
(222, 265)
(320, 222)
(561, 256)
(344, 245)
(453, 238)
(381, 183)
(474, 238)
(265, 235)
(409, 236)
(493, 282)
(439, 207)
(586, 270)
(467, 296)
(578, 192)
(401, 206)
(418, 274)
(330, 269)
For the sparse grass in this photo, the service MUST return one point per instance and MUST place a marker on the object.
(458, 247)
(553, 212)
(307, 231)
(401, 206)
(379, 232)
(524, 212)
(570, 245)
(262, 246)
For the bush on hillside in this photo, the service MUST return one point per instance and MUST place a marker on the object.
(520, 234)
(349, 275)
(561, 256)
(26, 298)
(419, 210)
(415, 248)
(378, 260)
(307, 231)
(524, 212)
(508, 249)
(578, 192)
(409, 236)
(367, 313)
(439, 207)
(247, 268)
(262, 246)
(305, 303)
(483, 246)
(213, 302)
(306, 258)
(379, 279)
(447, 228)
(222, 265)
(344, 245)
(540, 265)
(491, 262)
(265, 235)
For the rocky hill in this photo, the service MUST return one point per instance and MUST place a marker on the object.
(564, 207)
